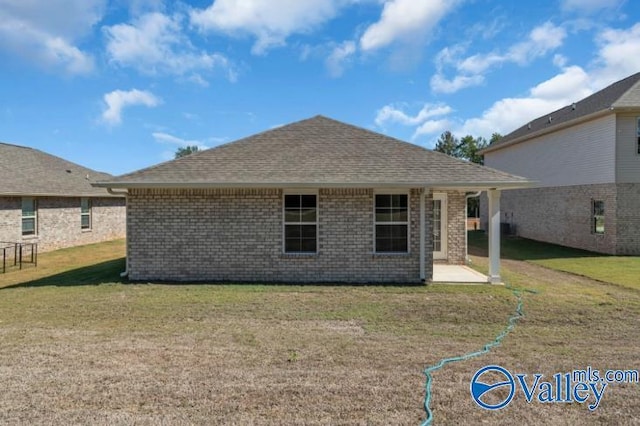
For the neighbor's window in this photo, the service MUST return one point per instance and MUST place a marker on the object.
(300, 223)
(29, 216)
(85, 213)
(598, 217)
(391, 223)
(638, 135)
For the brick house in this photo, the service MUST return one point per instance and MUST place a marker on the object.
(50, 201)
(313, 201)
(585, 159)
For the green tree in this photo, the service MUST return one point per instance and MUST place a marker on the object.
(469, 146)
(187, 150)
(447, 144)
(495, 137)
(466, 148)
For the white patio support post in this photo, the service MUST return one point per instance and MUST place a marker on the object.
(494, 236)
(422, 236)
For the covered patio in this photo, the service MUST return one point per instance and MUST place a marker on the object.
(457, 274)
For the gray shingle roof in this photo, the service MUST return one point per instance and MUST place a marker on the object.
(28, 171)
(315, 152)
(621, 94)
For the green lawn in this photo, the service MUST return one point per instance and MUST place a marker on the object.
(80, 346)
(621, 270)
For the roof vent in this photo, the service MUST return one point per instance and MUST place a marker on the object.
(68, 171)
(550, 119)
(529, 126)
(573, 106)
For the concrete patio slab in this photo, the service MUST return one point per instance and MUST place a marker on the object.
(457, 274)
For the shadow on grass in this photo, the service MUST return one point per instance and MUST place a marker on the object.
(516, 248)
(100, 273)
(109, 273)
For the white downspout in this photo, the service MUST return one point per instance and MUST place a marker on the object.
(126, 260)
(466, 228)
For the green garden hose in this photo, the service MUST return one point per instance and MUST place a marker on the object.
(486, 348)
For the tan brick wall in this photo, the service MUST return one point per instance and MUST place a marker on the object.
(236, 235)
(628, 219)
(10, 219)
(456, 219)
(560, 215)
(59, 221)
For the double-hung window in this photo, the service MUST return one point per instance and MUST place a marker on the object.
(300, 223)
(29, 216)
(85, 213)
(391, 223)
(597, 217)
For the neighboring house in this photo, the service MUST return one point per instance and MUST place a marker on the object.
(49, 201)
(585, 158)
(313, 201)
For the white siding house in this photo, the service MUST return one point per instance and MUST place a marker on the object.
(585, 162)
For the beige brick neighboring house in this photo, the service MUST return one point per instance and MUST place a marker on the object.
(313, 201)
(585, 159)
(50, 201)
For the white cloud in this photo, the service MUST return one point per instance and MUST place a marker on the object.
(559, 60)
(46, 32)
(590, 6)
(339, 57)
(174, 140)
(269, 21)
(618, 55)
(469, 71)
(405, 21)
(396, 114)
(541, 40)
(154, 43)
(440, 84)
(505, 115)
(171, 140)
(433, 127)
(431, 118)
(117, 100)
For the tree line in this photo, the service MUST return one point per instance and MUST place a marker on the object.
(465, 148)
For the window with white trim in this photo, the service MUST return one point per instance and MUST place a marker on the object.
(85, 213)
(300, 223)
(391, 223)
(597, 217)
(29, 216)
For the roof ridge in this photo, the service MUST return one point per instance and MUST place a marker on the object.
(315, 152)
(595, 102)
(19, 146)
(222, 145)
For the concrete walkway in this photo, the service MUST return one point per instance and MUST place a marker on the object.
(457, 274)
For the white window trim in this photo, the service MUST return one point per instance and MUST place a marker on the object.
(408, 222)
(317, 222)
(89, 214)
(444, 237)
(34, 217)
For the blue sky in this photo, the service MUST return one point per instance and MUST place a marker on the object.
(120, 85)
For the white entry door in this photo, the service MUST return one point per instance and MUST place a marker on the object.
(439, 226)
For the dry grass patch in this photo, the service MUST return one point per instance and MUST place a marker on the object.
(120, 353)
